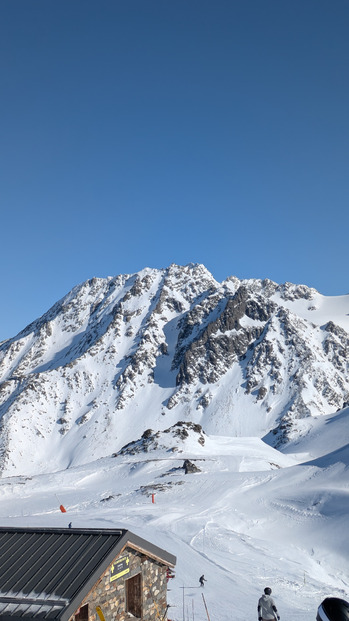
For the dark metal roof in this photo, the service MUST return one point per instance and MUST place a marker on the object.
(45, 573)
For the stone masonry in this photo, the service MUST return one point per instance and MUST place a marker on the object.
(109, 593)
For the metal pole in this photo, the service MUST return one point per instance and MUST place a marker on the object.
(208, 616)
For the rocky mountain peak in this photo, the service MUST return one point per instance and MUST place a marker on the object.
(117, 356)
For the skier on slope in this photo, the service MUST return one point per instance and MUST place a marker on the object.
(202, 579)
(266, 607)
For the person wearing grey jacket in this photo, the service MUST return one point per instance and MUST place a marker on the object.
(266, 607)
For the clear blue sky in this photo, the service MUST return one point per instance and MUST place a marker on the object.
(139, 133)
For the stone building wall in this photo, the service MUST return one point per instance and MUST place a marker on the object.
(109, 593)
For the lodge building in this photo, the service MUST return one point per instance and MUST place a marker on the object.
(77, 574)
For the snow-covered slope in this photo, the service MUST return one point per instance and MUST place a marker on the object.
(245, 514)
(118, 356)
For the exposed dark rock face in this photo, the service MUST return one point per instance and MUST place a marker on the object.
(221, 342)
(190, 467)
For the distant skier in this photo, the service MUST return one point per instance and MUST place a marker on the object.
(266, 607)
(202, 579)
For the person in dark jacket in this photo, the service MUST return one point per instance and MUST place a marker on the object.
(202, 579)
(266, 607)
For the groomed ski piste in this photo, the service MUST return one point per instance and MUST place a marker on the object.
(250, 517)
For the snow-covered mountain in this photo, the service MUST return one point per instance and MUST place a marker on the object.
(223, 401)
(119, 356)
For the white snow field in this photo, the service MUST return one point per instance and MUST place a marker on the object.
(251, 517)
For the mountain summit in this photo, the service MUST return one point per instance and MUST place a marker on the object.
(119, 356)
